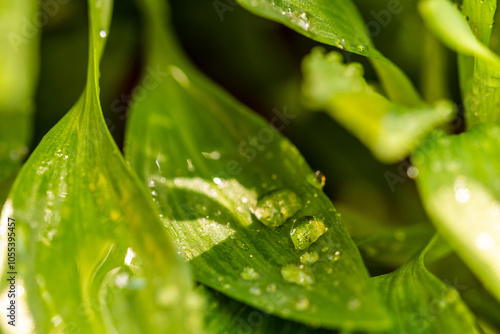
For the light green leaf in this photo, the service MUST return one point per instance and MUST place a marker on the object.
(389, 130)
(90, 250)
(18, 74)
(458, 182)
(479, 74)
(337, 23)
(421, 303)
(213, 167)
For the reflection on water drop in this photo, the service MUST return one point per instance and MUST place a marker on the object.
(129, 257)
(309, 258)
(298, 274)
(412, 172)
(103, 33)
(249, 274)
(306, 231)
(276, 207)
(484, 241)
(462, 193)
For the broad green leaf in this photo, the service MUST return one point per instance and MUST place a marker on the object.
(228, 316)
(391, 131)
(90, 250)
(395, 247)
(337, 23)
(479, 74)
(213, 168)
(458, 182)
(18, 73)
(421, 303)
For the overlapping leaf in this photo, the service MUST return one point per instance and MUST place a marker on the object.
(90, 249)
(213, 167)
(337, 23)
(390, 130)
(459, 183)
(18, 73)
(479, 66)
(421, 303)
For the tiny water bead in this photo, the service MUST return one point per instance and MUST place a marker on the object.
(297, 274)
(334, 257)
(309, 258)
(276, 207)
(249, 274)
(306, 231)
(317, 179)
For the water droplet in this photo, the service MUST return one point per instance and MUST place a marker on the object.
(255, 290)
(129, 257)
(271, 287)
(412, 172)
(462, 193)
(320, 179)
(306, 231)
(298, 274)
(276, 207)
(354, 304)
(215, 155)
(103, 33)
(302, 304)
(362, 48)
(249, 274)
(309, 258)
(334, 257)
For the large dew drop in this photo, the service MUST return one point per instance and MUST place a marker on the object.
(298, 274)
(306, 231)
(277, 206)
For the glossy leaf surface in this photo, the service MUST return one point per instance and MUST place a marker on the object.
(391, 131)
(90, 251)
(459, 183)
(213, 167)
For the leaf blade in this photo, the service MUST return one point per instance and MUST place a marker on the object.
(207, 170)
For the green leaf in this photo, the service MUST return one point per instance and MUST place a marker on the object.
(90, 249)
(395, 247)
(18, 74)
(389, 130)
(458, 182)
(228, 316)
(478, 74)
(421, 303)
(213, 167)
(337, 23)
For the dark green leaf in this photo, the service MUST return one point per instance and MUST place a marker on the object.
(421, 303)
(212, 167)
(458, 182)
(90, 250)
(390, 130)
